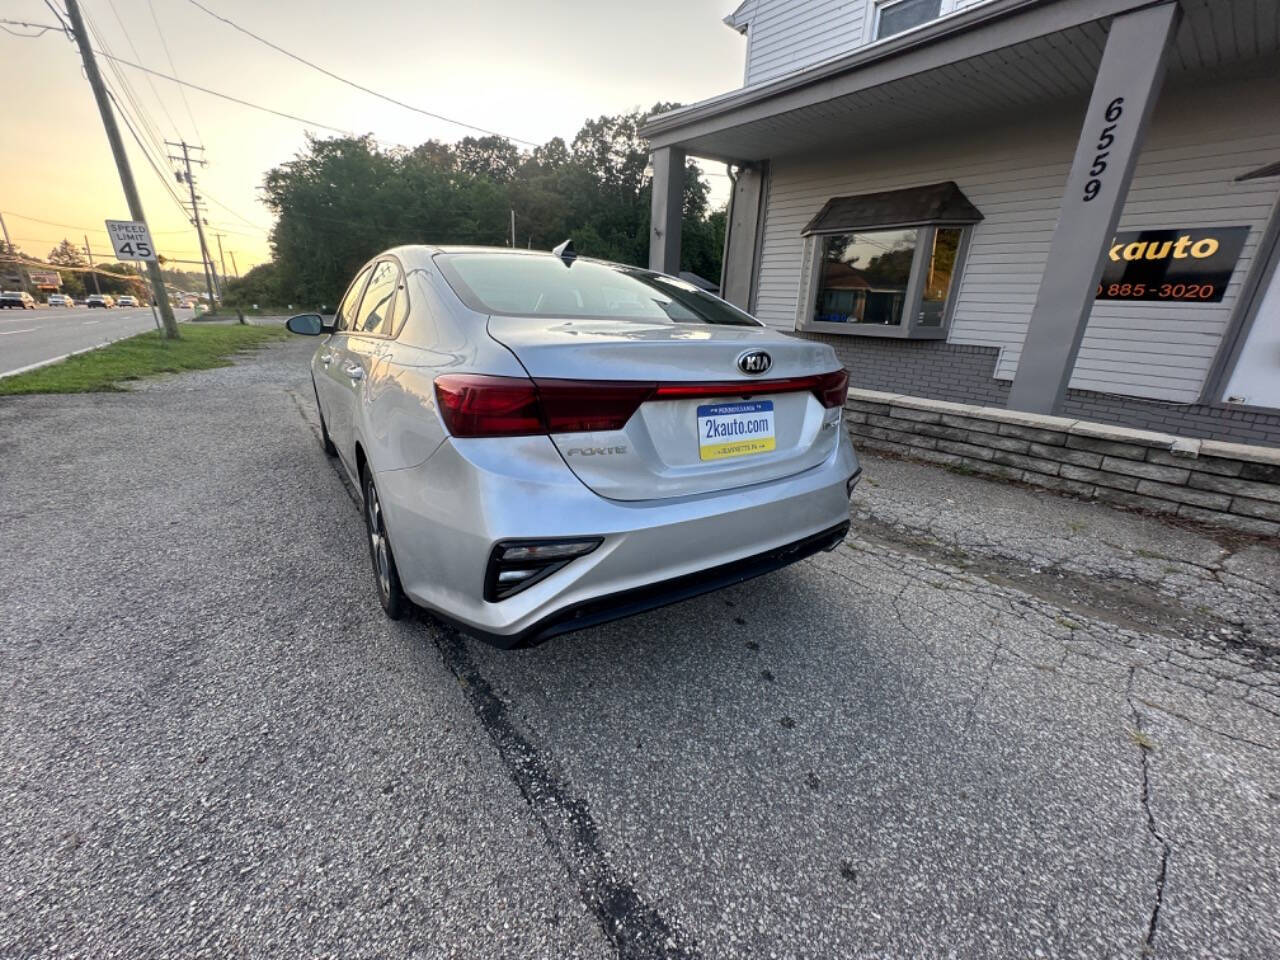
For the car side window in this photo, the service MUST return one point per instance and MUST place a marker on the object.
(377, 306)
(400, 308)
(351, 302)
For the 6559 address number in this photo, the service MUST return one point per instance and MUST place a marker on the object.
(1115, 109)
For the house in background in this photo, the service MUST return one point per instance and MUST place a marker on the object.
(1059, 206)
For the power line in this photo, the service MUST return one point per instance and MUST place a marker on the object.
(132, 46)
(169, 56)
(58, 15)
(145, 122)
(238, 216)
(40, 28)
(26, 262)
(352, 83)
(226, 96)
(77, 226)
(56, 243)
(164, 180)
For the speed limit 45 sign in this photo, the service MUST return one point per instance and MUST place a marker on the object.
(131, 240)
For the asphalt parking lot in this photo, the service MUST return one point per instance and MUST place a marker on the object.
(995, 723)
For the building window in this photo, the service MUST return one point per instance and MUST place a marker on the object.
(885, 264)
(866, 278)
(899, 15)
(863, 277)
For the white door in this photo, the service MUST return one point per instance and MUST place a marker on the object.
(1256, 378)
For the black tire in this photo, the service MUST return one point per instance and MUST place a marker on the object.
(326, 444)
(386, 578)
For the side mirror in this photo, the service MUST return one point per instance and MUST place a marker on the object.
(306, 324)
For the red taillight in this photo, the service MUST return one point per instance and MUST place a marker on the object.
(578, 406)
(829, 388)
(475, 405)
(481, 406)
(832, 389)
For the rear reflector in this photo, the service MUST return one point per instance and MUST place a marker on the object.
(514, 566)
(477, 405)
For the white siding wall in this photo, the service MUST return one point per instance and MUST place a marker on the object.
(1196, 144)
(789, 35)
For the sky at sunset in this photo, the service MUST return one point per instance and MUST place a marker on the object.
(530, 70)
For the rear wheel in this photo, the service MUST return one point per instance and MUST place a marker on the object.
(385, 575)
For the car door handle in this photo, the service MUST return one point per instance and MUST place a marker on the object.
(326, 358)
(353, 370)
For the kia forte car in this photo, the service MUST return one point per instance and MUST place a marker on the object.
(544, 441)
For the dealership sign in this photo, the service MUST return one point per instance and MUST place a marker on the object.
(1186, 265)
(43, 279)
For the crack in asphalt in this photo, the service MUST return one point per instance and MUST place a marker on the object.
(1166, 849)
(636, 929)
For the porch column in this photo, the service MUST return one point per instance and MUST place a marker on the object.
(737, 276)
(667, 209)
(1124, 93)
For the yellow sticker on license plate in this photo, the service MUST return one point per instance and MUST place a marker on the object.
(735, 429)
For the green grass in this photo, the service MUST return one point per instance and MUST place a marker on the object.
(146, 355)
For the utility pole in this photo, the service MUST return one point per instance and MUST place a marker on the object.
(122, 159)
(221, 259)
(513, 229)
(209, 276)
(8, 252)
(94, 273)
(233, 265)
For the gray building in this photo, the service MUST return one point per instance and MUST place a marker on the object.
(1060, 206)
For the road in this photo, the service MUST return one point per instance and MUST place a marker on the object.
(995, 723)
(32, 336)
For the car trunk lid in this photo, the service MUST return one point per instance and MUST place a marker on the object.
(705, 426)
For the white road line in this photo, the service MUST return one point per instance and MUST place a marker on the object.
(87, 322)
(5, 333)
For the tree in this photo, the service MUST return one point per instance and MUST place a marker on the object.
(66, 254)
(342, 200)
(260, 286)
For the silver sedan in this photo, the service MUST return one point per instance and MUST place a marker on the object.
(545, 442)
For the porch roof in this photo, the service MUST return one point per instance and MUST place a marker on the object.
(1001, 57)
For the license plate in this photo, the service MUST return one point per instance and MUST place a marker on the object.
(735, 429)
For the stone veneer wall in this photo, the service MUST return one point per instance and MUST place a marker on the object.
(1230, 485)
(964, 373)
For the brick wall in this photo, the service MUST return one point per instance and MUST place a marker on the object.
(963, 373)
(1236, 486)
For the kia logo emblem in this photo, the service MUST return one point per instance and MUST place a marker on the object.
(755, 361)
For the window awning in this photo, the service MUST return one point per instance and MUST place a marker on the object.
(1270, 170)
(936, 204)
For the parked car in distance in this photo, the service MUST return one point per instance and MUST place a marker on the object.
(125, 300)
(60, 300)
(545, 442)
(99, 300)
(18, 299)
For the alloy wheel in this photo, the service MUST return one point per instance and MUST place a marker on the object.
(378, 541)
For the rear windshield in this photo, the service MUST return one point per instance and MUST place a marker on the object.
(518, 285)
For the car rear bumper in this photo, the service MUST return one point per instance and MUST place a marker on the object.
(445, 516)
